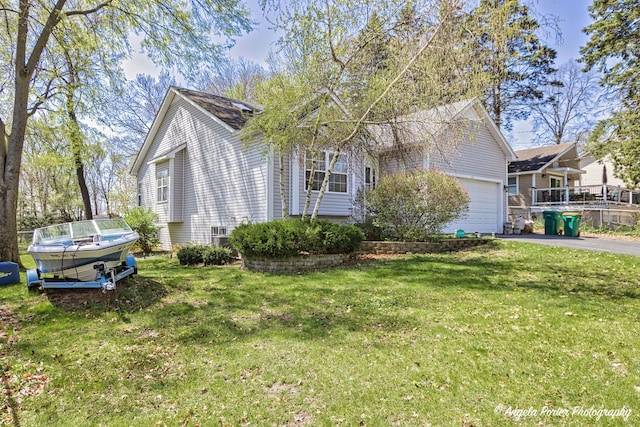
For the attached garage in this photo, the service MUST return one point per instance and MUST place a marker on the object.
(485, 207)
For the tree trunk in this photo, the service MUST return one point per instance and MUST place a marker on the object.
(84, 190)
(10, 162)
(312, 172)
(325, 183)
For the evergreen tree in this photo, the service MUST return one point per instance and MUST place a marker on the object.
(614, 49)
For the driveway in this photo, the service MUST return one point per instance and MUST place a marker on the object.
(594, 243)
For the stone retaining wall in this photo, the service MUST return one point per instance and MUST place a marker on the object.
(446, 245)
(294, 264)
(316, 262)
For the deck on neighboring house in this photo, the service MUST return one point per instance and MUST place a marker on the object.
(587, 197)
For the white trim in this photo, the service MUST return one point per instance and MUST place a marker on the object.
(476, 178)
(517, 185)
(168, 155)
(270, 184)
(172, 204)
(295, 184)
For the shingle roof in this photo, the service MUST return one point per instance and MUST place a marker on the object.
(233, 113)
(534, 159)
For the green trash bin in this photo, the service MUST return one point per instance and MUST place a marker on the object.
(571, 224)
(552, 222)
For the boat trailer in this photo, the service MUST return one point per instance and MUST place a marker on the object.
(105, 278)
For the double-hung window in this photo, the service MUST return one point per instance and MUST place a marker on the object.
(337, 179)
(513, 185)
(162, 181)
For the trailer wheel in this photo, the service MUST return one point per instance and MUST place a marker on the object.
(130, 261)
(33, 279)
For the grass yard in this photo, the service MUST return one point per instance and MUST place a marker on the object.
(509, 334)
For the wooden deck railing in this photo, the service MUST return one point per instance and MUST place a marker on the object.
(586, 195)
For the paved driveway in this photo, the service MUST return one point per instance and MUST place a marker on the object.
(594, 243)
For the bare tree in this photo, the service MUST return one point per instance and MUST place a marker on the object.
(235, 79)
(570, 105)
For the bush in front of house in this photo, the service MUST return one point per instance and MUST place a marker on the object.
(191, 254)
(414, 206)
(216, 255)
(292, 237)
(203, 254)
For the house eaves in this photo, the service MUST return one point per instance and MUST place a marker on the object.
(536, 160)
(228, 113)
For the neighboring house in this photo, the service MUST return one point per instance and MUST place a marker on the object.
(556, 177)
(597, 171)
(202, 180)
(540, 175)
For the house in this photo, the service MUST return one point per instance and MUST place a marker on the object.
(202, 180)
(541, 174)
(598, 172)
(461, 140)
(557, 177)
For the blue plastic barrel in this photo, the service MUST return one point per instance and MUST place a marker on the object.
(9, 273)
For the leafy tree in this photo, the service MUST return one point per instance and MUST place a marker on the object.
(143, 221)
(350, 66)
(36, 35)
(413, 206)
(614, 49)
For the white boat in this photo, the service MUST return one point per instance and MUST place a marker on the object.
(82, 250)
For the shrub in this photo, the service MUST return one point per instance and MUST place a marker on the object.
(413, 206)
(143, 222)
(214, 255)
(286, 238)
(341, 239)
(191, 255)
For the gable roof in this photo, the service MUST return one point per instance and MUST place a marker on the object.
(229, 113)
(436, 120)
(232, 112)
(536, 159)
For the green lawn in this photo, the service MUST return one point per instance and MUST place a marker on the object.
(476, 338)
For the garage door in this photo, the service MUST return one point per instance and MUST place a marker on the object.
(484, 208)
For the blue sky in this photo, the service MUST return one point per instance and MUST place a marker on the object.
(572, 16)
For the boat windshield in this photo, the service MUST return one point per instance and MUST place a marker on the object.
(111, 226)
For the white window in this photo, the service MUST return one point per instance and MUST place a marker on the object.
(217, 231)
(139, 195)
(162, 181)
(338, 178)
(513, 185)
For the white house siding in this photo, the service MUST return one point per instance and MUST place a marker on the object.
(593, 172)
(275, 182)
(177, 188)
(224, 184)
(481, 166)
